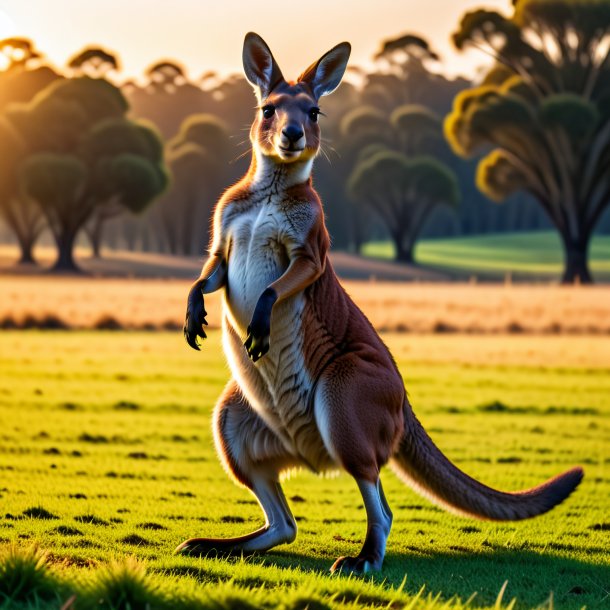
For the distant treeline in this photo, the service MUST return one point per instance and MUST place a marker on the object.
(401, 151)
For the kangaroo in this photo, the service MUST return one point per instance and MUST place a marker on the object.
(312, 383)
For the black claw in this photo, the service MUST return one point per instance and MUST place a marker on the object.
(256, 347)
(257, 343)
(355, 565)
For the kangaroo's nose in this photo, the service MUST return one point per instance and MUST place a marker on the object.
(293, 133)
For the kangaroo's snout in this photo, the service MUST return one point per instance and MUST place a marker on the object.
(292, 133)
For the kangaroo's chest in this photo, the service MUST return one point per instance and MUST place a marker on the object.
(257, 257)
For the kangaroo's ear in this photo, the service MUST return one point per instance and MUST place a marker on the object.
(259, 65)
(324, 75)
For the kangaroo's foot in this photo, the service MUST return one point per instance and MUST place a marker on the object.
(379, 516)
(280, 528)
(256, 542)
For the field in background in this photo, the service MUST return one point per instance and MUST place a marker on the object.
(525, 256)
(106, 452)
(86, 302)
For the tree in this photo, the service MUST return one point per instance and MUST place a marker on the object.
(542, 114)
(168, 97)
(23, 77)
(85, 155)
(94, 62)
(402, 191)
(407, 74)
(18, 52)
(359, 128)
(18, 211)
(135, 148)
(198, 158)
(417, 129)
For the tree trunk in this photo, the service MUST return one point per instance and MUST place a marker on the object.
(26, 246)
(404, 254)
(404, 251)
(65, 254)
(95, 234)
(576, 270)
(27, 233)
(358, 233)
(96, 248)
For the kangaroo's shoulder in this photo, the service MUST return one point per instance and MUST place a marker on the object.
(234, 201)
(302, 207)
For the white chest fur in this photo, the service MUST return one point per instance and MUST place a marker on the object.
(257, 258)
(279, 385)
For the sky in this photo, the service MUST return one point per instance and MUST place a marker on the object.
(207, 35)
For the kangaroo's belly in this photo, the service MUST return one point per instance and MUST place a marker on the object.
(279, 386)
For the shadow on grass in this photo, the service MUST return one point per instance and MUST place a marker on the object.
(532, 577)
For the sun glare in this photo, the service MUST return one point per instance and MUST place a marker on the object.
(7, 25)
(7, 29)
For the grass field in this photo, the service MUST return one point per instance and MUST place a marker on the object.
(524, 255)
(107, 455)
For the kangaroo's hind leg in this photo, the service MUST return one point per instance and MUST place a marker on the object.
(359, 416)
(255, 457)
(379, 522)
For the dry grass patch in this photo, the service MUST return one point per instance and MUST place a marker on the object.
(113, 304)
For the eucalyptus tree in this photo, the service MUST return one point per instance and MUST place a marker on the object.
(403, 191)
(542, 114)
(84, 154)
(198, 158)
(24, 76)
(94, 62)
(25, 73)
(361, 126)
(393, 175)
(18, 211)
(167, 97)
(18, 52)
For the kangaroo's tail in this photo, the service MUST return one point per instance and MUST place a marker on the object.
(421, 465)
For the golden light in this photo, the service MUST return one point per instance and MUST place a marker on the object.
(7, 29)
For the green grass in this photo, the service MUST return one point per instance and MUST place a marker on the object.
(107, 464)
(524, 255)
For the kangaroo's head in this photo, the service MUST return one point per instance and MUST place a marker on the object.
(286, 127)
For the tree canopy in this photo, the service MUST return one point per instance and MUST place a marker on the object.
(85, 155)
(197, 157)
(542, 114)
(95, 62)
(403, 191)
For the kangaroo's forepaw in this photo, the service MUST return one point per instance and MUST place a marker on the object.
(257, 343)
(356, 565)
(195, 317)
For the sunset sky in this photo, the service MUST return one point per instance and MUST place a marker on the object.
(207, 35)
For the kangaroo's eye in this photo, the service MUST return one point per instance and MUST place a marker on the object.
(268, 111)
(313, 114)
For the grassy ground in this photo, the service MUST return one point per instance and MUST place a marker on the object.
(107, 453)
(524, 255)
